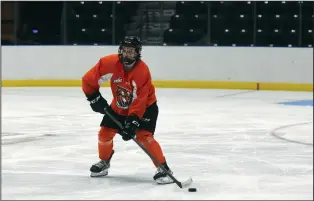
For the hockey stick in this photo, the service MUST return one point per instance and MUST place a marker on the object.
(180, 184)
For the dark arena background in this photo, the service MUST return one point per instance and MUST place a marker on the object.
(216, 23)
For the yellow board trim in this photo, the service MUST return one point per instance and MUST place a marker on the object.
(286, 86)
(205, 84)
(171, 84)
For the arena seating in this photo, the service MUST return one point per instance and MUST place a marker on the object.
(242, 23)
(307, 23)
(219, 23)
(90, 22)
(39, 22)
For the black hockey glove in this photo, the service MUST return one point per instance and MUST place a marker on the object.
(131, 124)
(97, 102)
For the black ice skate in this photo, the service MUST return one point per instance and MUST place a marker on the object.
(161, 177)
(101, 168)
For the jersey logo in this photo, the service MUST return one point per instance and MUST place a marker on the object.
(118, 80)
(124, 97)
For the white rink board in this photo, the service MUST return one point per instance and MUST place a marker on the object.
(292, 65)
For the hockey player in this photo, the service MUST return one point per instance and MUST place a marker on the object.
(134, 104)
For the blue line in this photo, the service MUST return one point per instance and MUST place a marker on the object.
(299, 103)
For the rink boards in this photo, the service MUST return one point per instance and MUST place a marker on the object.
(247, 68)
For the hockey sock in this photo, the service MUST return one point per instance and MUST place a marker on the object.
(105, 142)
(149, 142)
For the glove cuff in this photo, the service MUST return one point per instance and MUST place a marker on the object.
(134, 119)
(93, 95)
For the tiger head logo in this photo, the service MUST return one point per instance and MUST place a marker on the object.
(124, 97)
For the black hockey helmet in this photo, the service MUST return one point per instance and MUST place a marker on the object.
(130, 50)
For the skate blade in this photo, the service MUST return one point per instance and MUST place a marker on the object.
(99, 174)
(164, 180)
(164, 183)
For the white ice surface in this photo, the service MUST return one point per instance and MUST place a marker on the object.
(224, 139)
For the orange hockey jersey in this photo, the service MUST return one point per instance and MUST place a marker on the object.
(132, 91)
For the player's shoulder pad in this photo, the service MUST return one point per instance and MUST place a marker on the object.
(143, 65)
(111, 57)
(142, 70)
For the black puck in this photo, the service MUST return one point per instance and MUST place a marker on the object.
(192, 189)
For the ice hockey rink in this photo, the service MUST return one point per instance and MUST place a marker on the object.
(234, 144)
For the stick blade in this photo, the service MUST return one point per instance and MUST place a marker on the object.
(186, 183)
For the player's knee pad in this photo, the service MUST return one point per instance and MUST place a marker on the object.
(144, 136)
(106, 135)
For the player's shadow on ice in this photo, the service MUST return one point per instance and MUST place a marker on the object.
(129, 179)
